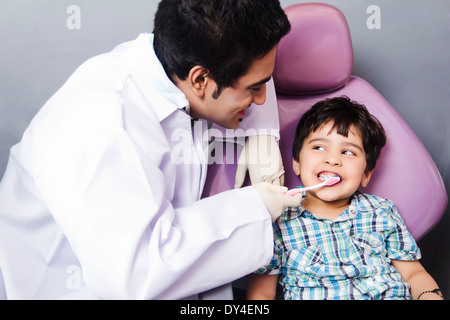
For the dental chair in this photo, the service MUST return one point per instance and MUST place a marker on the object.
(315, 61)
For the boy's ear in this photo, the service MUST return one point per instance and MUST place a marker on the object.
(296, 167)
(198, 80)
(366, 178)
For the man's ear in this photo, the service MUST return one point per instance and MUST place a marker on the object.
(366, 178)
(296, 167)
(198, 80)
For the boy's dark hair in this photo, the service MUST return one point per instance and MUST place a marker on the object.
(343, 113)
(223, 36)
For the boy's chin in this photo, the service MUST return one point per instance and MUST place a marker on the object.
(329, 197)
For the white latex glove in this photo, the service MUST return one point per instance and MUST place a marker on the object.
(262, 158)
(275, 199)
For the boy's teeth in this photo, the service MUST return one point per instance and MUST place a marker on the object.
(324, 177)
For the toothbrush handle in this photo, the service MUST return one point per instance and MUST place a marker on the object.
(293, 192)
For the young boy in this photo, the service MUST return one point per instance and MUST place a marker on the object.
(341, 243)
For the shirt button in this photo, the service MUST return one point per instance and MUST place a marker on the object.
(303, 262)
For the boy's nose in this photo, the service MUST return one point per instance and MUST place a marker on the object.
(332, 159)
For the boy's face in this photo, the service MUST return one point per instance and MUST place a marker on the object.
(326, 153)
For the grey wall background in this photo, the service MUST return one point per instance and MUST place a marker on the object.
(407, 60)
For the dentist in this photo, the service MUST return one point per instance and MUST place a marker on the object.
(101, 199)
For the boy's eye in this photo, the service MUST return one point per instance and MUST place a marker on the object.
(348, 152)
(320, 148)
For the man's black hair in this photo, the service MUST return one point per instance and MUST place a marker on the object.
(223, 36)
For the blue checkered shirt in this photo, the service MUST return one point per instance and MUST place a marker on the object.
(347, 258)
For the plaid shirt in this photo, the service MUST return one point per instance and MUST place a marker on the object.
(348, 258)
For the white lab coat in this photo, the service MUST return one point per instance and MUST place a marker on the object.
(97, 202)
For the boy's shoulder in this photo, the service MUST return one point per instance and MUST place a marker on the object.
(376, 200)
(360, 202)
(370, 202)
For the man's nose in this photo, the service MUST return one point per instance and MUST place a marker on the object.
(260, 97)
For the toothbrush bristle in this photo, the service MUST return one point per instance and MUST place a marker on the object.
(332, 180)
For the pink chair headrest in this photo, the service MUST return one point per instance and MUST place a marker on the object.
(316, 56)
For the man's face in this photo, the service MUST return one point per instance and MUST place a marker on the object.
(229, 108)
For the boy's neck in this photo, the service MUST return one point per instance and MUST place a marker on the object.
(325, 209)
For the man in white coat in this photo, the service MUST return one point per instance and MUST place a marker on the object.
(102, 196)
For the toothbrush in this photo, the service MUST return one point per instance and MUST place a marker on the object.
(327, 183)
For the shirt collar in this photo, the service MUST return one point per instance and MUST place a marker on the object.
(351, 212)
(150, 77)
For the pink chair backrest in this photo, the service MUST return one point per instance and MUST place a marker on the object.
(315, 61)
(317, 55)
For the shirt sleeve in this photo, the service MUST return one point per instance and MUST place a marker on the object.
(129, 239)
(274, 267)
(400, 244)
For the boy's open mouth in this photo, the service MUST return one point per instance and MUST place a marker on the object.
(327, 175)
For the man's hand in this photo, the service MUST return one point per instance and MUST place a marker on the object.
(261, 157)
(275, 199)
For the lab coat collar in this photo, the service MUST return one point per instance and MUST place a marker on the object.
(149, 75)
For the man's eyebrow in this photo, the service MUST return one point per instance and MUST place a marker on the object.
(257, 84)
